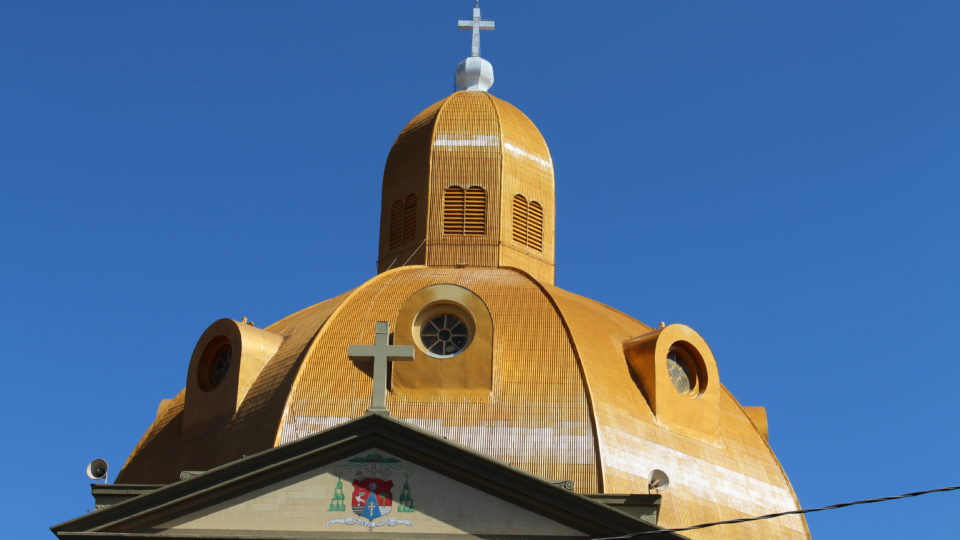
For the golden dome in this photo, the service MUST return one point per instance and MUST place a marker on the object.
(469, 181)
(559, 388)
(548, 381)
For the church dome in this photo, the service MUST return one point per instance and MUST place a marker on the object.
(565, 388)
(504, 362)
(469, 181)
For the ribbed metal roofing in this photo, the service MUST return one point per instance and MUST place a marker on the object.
(562, 402)
(472, 143)
(552, 382)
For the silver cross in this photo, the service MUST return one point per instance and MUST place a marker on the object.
(477, 24)
(381, 352)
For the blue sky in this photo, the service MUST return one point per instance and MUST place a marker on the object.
(781, 176)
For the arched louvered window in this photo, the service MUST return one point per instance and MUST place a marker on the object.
(520, 219)
(396, 224)
(403, 221)
(464, 210)
(527, 222)
(409, 218)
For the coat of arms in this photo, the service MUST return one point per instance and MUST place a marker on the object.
(372, 499)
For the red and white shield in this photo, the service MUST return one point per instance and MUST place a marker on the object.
(372, 497)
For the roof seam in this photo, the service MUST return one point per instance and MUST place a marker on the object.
(303, 355)
(583, 375)
(499, 207)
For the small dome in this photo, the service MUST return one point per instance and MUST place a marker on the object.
(476, 119)
(469, 182)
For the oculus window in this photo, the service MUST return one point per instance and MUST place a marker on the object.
(445, 335)
(681, 371)
(444, 330)
(215, 364)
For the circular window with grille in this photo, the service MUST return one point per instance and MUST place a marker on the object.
(215, 363)
(685, 370)
(680, 374)
(444, 330)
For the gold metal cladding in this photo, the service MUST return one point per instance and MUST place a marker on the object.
(251, 348)
(563, 403)
(758, 415)
(471, 369)
(632, 440)
(465, 158)
(524, 400)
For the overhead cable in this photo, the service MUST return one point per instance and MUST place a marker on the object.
(778, 514)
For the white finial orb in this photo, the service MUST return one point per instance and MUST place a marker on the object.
(474, 73)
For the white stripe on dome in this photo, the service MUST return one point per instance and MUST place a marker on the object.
(705, 480)
(491, 140)
(524, 444)
(476, 140)
(532, 157)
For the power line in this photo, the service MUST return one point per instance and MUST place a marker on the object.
(778, 514)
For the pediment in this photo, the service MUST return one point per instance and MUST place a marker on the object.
(371, 477)
(371, 490)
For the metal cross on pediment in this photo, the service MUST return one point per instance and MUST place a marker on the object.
(477, 24)
(381, 352)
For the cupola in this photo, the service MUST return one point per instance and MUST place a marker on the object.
(469, 182)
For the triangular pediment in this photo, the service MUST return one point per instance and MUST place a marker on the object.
(373, 476)
(373, 489)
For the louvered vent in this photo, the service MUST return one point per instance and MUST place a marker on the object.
(464, 211)
(396, 224)
(520, 218)
(535, 226)
(453, 206)
(527, 222)
(475, 215)
(409, 218)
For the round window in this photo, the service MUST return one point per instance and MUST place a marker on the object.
(681, 371)
(215, 364)
(443, 330)
(444, 335)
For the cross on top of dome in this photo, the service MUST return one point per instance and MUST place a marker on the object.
(474, 73)
(476, 24)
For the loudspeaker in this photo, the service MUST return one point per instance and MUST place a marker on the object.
(97, 469)
(658, 480)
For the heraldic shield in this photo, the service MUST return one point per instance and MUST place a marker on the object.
(372, 497)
